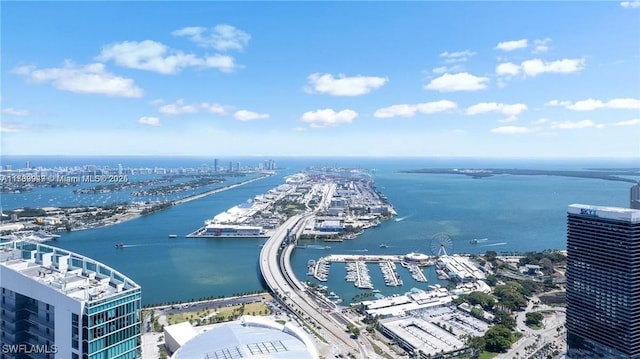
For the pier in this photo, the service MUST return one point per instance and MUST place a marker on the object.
(375, 258)
(358, 273)
(390, 274)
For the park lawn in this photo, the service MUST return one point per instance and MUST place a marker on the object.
(487, 355)
(258, 308)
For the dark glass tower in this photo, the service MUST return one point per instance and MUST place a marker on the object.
(603, 282)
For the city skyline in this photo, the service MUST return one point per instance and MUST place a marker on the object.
(327, 79)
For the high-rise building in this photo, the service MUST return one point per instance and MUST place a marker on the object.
(635, 196)
(215, 165)
(603, 282)
(61, 305)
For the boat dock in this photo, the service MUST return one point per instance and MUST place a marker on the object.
(416, 272)
(390, 274)
(375, 258)
(321, 270)
(358, 273)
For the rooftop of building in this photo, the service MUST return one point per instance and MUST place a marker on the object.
(250, 337)
(615, 213)
(72, 274)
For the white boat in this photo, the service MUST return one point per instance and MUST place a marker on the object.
(478, 240)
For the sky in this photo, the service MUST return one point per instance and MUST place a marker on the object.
(474, 79)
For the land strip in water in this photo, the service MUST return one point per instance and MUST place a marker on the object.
(54, 219)
(604, 174)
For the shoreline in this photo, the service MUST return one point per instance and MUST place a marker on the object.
(133, 215)
(478, 173)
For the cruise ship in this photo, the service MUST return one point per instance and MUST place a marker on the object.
(231, 230)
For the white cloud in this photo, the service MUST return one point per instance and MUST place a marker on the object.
(507, 68)
(91, 78)
(571, 125)
(440, 70)
(405, 110)
(437, 106)
(634, 122)
(630, 4)
(484, 107)
(153, 56)
(23, 70)
(540, 46)
(244, 115)
(444, 69)
(557, 103)
(512, 45)
(343, 85)
(512, 130)
(213, 108)
(541, 121)
(328, 117)
(150, 121)
(459, 56)
(11, 127)
(15, 112)
(222, 37)
(462, 81)
(591, 104)
(179, 108)
(536, 67)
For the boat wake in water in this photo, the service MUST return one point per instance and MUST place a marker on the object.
(494, 244)
(315, 246)
(400, 219)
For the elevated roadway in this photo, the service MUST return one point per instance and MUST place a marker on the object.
(278, 275)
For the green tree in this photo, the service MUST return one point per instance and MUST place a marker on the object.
(510, 295)
(477, 313)
(476, 344)
(505, 319)
(485, 300)
(498, 338)
(534, 319)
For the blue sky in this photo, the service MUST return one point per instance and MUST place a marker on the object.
(478, 79)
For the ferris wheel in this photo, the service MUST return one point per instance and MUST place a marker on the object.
(441, 244)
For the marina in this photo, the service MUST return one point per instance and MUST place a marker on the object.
(416, 271)
(321, 270)
(358, 272)
(390, 274)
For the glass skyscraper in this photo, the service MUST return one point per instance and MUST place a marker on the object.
(603, 282)
(58, 304)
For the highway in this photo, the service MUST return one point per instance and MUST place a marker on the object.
(279, 277)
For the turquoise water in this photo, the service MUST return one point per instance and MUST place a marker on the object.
(516, 213)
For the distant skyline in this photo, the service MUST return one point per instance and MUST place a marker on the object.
(472, 79)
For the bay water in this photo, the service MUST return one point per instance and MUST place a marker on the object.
(514, 213)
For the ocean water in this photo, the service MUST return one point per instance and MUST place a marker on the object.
(515, 213)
